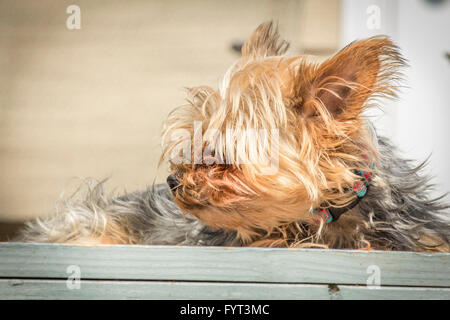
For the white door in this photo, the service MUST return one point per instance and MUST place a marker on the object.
(419, 122)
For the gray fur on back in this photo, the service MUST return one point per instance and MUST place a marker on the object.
(149, 216)
(156, 219)
(398, 207)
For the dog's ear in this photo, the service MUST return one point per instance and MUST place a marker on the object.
(265, 41)
(343, 83)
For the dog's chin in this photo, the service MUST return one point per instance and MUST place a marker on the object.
(214, 216)
(220, 218)
(249, 219)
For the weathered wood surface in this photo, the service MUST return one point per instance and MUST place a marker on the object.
(91, 289)
(254, 265)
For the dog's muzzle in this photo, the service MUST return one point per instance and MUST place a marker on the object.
(173, 182)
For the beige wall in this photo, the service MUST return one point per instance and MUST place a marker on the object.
(90, 102)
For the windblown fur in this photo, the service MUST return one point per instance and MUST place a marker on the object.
(314, 113)
(396, 214)
(144, 217)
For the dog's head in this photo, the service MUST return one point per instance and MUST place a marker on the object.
(280, 136)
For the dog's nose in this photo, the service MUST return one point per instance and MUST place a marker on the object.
(173, 182)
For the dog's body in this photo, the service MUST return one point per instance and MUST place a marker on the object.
(392, 215)
(325, 146)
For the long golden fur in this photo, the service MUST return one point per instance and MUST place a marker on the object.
(317, 112)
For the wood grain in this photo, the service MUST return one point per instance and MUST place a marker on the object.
(258, 265)
(89, 289)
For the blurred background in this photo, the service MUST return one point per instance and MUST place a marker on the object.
(90, 101)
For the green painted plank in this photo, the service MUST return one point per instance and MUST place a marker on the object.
(392, 293)
(91, 289)
(123, 262)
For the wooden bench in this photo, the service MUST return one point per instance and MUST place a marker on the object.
(47, 271)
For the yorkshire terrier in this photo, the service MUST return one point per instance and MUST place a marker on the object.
(281, 155)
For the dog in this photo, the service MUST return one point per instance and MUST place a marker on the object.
(333, 182)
